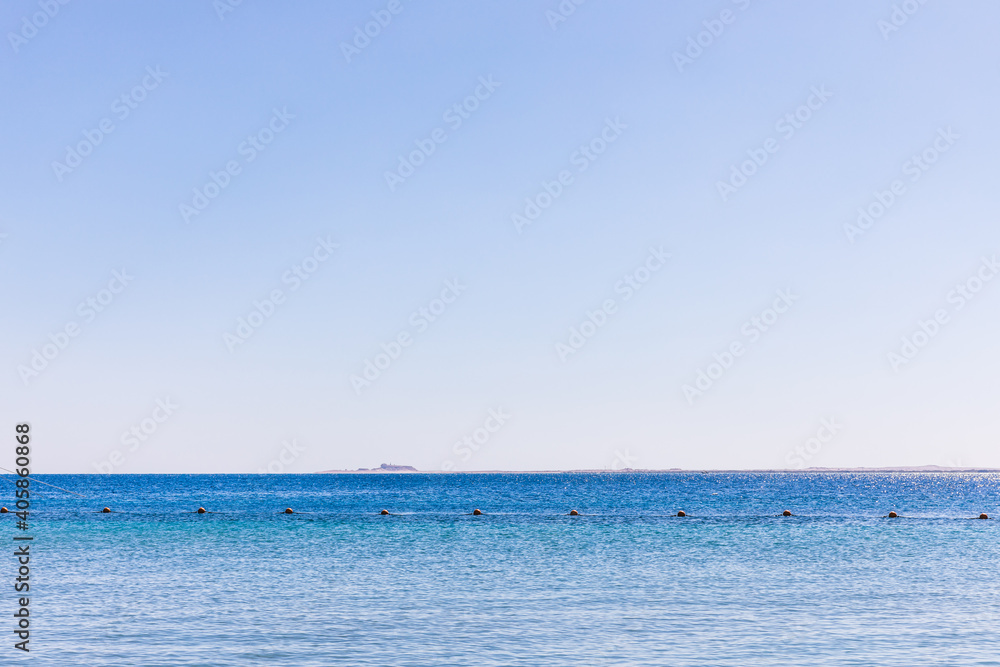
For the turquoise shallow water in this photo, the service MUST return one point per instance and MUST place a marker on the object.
(625, 583)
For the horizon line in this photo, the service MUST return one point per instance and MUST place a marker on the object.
(379, 471)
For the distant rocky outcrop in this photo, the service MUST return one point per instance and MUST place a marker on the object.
(392, 467)
(385, 467)
(389, 467)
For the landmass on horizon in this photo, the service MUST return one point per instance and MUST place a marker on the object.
(385, 467)
(389, 467)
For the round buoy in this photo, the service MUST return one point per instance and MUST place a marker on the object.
(786, 513)
(984, 516)
(574, 513)
(681, 513)
(288, 510)
(201, 510)
(476, 512)
(892, 515)
(3, 510)
(106, 510)
(384, 512)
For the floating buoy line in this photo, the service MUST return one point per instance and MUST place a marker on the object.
(476, 512)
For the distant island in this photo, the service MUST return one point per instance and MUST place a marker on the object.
(385, 467)
(391, 467)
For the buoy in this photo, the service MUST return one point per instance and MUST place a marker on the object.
(681, 513)
(574, 513)
(786, 513)
(106, 510)
(984, 516)
(288, 510)
(3, 510)
(384, 512)
(476, 512)
(892, 515)
(201, 510)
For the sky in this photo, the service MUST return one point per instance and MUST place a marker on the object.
(292, 237)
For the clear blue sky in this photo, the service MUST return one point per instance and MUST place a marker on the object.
(309, 129)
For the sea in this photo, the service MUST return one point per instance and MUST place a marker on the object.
(625, 582)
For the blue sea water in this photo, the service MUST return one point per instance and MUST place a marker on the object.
(625, 583)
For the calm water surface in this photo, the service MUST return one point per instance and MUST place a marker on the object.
(625, 583)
